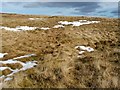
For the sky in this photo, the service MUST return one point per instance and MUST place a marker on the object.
(102, 8)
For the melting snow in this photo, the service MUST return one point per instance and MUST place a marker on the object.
(83, 49)
(18, 28)
(58, 26)
(28, 65)
(33, 18)
(3, 68)
(11, 61)
(36, 18)
(65, 22)
(77, 23)
(25, 28)
(82, 20)
(25, 66)
(44, 28)
(2, 55)
(22, 28)
(89, 49)
(29, 55)
(8, 79)
(8, 28)
(81, 52)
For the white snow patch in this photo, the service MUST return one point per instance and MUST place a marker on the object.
(18, 28)
(82, 20)
(8, 28)
(36, 18)
(58, 26)
(8, 79)
(83, 49)
(25, 28)
(29, 55)
(77, 23)
(28, 65)
(81, 52)
(33, 18)
(2, 55)
(25, 66)
(45, 28)
(65, 22)
(3, 68)
(88, 49)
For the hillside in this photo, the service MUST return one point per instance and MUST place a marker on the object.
(71, 55)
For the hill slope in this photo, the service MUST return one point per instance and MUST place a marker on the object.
(59, 63)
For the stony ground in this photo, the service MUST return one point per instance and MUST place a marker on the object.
(59, 64)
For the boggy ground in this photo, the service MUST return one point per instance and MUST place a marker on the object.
(58, 63)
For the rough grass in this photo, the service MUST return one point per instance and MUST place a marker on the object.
(58, 64)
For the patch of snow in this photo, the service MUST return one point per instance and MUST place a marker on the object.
(8, 79)
(25, 28)
(2, 76)
(8, 28)
(82, 20)
(81, 52)
(28, 65)
(77, 23)
(89, 49)
(83, 49)
(36, 18)
(22, 28)
(3, 68)
(11, 61)
(33, 18)
(2, 55)
(65, 22)
(45, 28)
(18, 28)
(29, 55)
(25, 66)
(58, 26)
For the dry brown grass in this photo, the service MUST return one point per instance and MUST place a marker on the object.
(58, 65)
